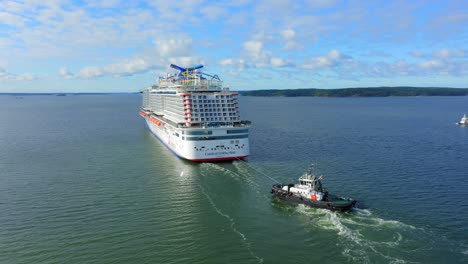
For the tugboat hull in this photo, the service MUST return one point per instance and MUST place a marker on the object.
(331, 202)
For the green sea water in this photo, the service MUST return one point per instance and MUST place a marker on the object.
(83, 181)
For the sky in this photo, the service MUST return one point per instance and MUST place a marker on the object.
(123, 46)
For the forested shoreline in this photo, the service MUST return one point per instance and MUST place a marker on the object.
(361, 92)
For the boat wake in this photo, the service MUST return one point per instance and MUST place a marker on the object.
(366, 238)
(361, 235)
(240, 174)
(229, 218)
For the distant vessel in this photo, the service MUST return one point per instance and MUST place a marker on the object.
(463, 121)
(309, 191)
(195, 116)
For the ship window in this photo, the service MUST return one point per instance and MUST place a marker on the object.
(237, 131)
(214, 138)
(200, 132)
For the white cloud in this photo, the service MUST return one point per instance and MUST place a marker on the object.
(103, 3)
(288, 34)
(65, 73)
(13, 7)
(334, 55)
(173, 47)
(7, 76)
(165, 52)
(124, 68)
(322, 3)
(332, 59)
(256, 55)
(446, 53)
(253, 47)
(214, 12)
(11, 19)
(418, 54)
(236, 66)
(431, 64)
(26, 77)
(278, 62)
(177, 12)
(226, 62)
(120, 38)
(289, 38)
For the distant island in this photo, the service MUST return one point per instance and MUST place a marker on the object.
(362, 92)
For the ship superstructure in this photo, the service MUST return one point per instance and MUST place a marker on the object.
(195, 116)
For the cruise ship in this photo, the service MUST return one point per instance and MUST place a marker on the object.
(197, 118)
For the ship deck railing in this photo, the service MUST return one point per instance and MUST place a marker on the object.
(188, 84)
(242, 123)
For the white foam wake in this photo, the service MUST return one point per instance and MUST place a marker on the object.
(361, 233)
(243, 176)
(232, 225)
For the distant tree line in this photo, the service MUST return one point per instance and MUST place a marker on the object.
(362, 92)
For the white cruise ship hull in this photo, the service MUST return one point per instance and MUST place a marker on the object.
(221, 145)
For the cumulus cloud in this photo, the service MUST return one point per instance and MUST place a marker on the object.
(278, 62)
(418, 54)
(235, 66)
(7, 76)
(332, 59)
(102, 3)
(322, 3)
(214, 12)
(289, 38)
(239, 63)
(178, 51)
(65, 73)
(447, 53)
(11, 19)
(121, 38)
(124, 68)
(431, 64)
(173, 47)
(256, 55)
(288, 34)
(254, 48)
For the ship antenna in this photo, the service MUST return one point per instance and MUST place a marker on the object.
(311, 168)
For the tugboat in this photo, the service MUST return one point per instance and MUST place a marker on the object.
(309, 191)
(463, 121)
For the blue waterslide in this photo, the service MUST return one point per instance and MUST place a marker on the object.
(196, 67)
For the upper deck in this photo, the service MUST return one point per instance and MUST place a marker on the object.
(189, 80)
(189, 85)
